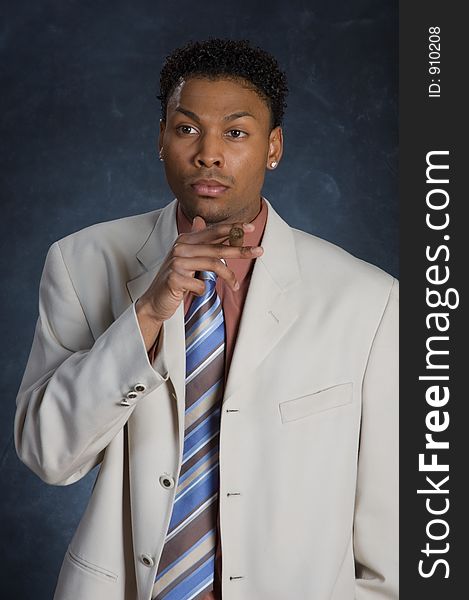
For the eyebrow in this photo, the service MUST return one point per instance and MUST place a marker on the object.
(238, 115)
(232, 117)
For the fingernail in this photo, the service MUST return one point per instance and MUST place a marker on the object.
(257, 250)
(236, 286)
(248, 227)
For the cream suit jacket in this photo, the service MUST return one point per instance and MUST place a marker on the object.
(308, 429)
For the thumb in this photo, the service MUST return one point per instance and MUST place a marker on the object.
(198, 224)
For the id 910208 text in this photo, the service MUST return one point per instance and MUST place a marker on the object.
(434, 69)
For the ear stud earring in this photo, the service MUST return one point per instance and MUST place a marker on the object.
(273, 164)
(161, 155)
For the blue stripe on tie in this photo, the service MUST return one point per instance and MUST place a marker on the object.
(206, 333)
(173, 564)
(196, 465)
(203, 397)
(196, 482)
(194, 359)
(197, 303)
(205, 337)
(206, 487)
(214, 346)
(202, 318)
(203, 432)
(196, 581)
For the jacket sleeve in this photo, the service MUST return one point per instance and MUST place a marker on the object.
(376, 524)
(73, 397)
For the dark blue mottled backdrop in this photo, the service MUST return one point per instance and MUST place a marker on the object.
(79, 120)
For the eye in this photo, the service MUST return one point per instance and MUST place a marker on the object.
(237, 133)
(186, 129)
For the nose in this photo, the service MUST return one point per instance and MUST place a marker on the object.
(209, 152)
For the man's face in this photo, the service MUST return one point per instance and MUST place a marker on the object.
(216, 144)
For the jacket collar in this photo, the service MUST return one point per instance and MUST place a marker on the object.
(161, 238)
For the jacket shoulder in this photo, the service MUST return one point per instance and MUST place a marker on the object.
(342, 277)
(335, 261)
(99, 260)
(118, 236)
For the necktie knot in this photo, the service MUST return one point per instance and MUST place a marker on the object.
(208, 275)
(210, 279)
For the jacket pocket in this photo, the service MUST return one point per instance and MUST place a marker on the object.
(304, 406)
(90, 567)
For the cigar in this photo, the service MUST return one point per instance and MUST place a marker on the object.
(236, 236)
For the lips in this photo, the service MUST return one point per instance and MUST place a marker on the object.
(208, 187)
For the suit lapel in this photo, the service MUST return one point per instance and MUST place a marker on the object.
(271, 305)
(150, 256)
(155, 248)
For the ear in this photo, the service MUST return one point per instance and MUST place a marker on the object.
(161, 136)
(275, 147)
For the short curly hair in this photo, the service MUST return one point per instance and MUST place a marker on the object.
(235, 59)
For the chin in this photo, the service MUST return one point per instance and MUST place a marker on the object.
(208, 208)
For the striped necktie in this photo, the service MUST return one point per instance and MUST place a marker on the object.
(187, 565)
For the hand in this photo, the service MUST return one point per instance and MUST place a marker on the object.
(199, 250)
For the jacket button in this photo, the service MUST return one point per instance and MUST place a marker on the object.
(147, 560)
(166, 481)
(140, 387)
(132, 395)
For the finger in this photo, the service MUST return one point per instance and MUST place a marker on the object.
(180, 265)
(184, 283)
(216, 251)
(216, 233)
(198, 224)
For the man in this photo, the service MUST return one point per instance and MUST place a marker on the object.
(240, 399)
